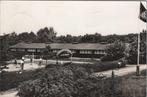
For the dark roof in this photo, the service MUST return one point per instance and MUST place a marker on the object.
(29, 45)
(92, 46)
(78, 46)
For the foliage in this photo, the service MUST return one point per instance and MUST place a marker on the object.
(46, 54)
(4, 50)
(11, 80)
(75, 81)
(67, 81)
(133, 52)
(91, 38)
(49, 35)
(72, 81)
(114, 51)
(101, 66)
(46, 35)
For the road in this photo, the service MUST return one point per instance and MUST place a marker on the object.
(119, 72)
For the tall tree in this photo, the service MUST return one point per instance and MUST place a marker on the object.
(46, 35)
(25, 37)
(132, 58)
(114, 51)
(12, 38)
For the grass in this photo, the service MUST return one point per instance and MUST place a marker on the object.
(132, 85)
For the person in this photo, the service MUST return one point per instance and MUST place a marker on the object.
(21, 65)
(40, 61)
(15, 62)
(31, 60)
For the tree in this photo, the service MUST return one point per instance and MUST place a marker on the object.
(46, 54)
(12, 38)
(23, 37)
(46, 35)
(114, 51)
(4, 57)
(32, 37)
(133, 53)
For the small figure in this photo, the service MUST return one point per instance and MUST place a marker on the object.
(31, 60)
(21, 65)
(40, 61)
(15, 62)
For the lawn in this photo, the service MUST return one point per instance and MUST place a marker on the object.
(133, 86)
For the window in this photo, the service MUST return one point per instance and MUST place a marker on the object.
(55, 51)
(22, 50)
(31, 50)
(73, 51)
(81, 52)
(99, 52)
(85, 52)
(39, 50)
(13, 49)
(88, 52)
(96, 52)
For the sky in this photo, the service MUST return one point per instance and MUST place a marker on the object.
(71, 17)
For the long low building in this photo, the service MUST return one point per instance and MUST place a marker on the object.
(87, 50)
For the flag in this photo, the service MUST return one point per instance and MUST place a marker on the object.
(143, 13)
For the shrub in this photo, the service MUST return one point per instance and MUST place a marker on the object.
(132, 58)
(11, 80)
(101, 66)
(114, 51)
(76, 81)
(67, 81)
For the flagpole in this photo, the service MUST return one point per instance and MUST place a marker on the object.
(138, 56)
(146, 50)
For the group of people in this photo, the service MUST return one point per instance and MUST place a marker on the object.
(22, 61)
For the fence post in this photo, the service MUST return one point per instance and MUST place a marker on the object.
(112, 82)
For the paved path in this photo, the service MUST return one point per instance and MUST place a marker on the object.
(122, 71)
(27, 66)
(11, 93)
(34, 65)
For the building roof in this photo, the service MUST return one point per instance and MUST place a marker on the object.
(92, 46)
(29, 45)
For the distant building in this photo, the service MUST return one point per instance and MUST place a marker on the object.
(87, 50)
